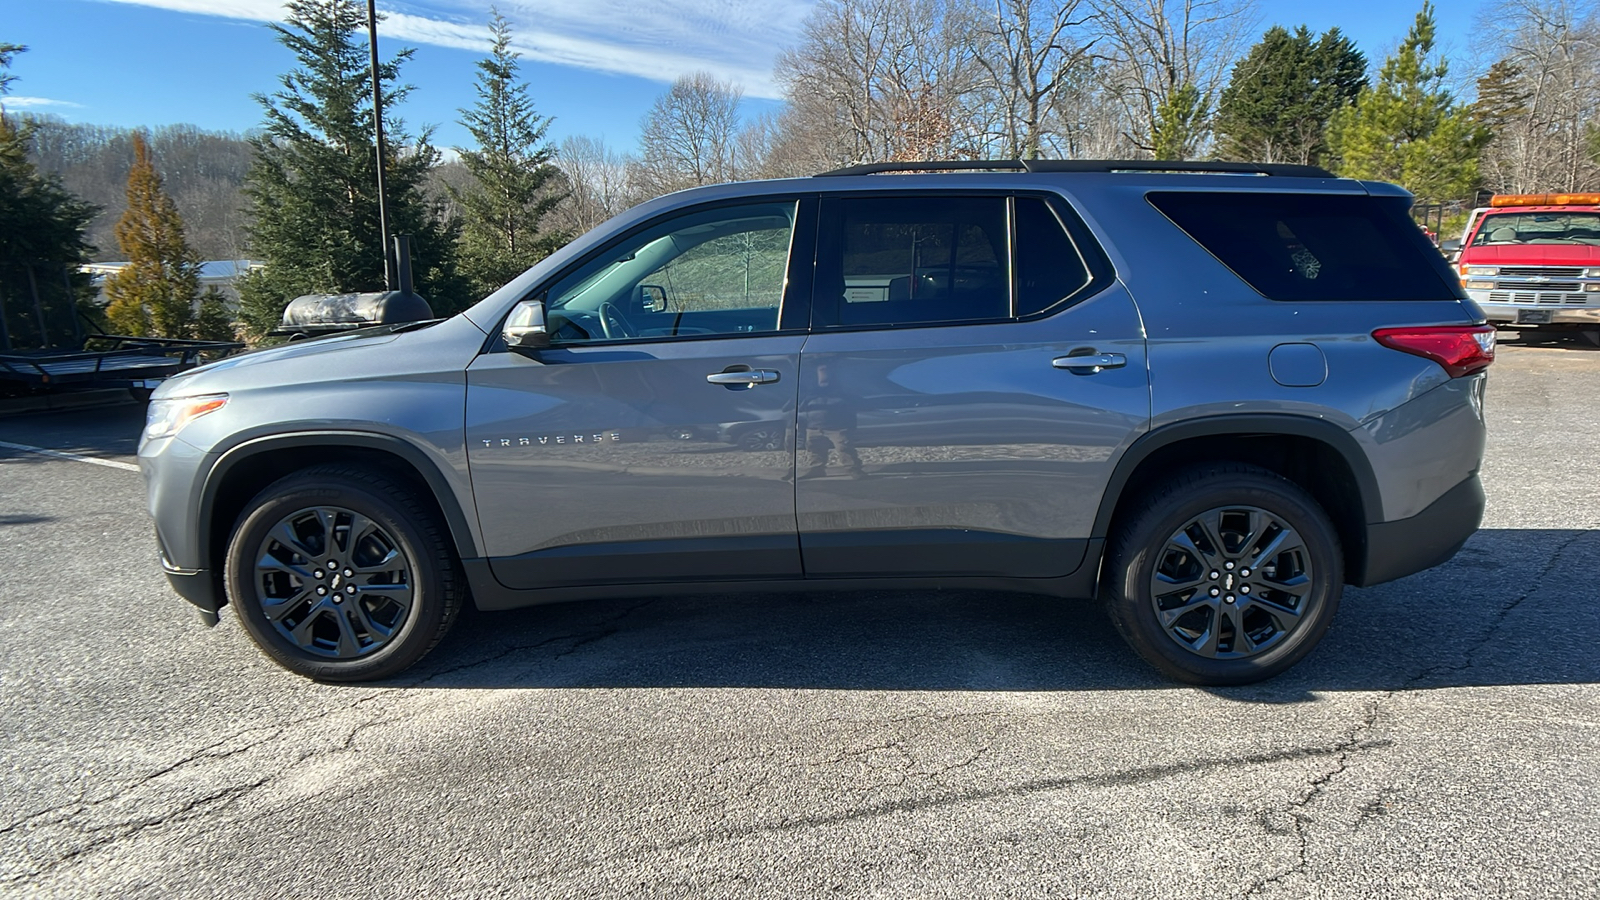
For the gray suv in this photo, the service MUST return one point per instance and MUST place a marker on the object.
(1208, 394)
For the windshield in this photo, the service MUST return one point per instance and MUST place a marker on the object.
(1539, 228)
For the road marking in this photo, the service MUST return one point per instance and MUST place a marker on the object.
(59, 454)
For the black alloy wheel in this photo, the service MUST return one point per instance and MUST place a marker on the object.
(341, 574)
(1227, 574)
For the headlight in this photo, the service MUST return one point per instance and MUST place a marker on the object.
(1480, 285)
(1592, 273)
(166, 418)
(1480, 270)
(1592, 287)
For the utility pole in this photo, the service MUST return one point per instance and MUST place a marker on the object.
(377, 128)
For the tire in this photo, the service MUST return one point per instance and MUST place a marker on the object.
(1235, 614)
(391, 598)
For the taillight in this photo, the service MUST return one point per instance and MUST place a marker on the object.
(1461, 349)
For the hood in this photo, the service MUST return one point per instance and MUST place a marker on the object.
(1532, 255)
(363, 353)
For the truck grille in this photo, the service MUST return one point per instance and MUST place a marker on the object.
(1543, 287)
(1539, 298)
(1538, 271)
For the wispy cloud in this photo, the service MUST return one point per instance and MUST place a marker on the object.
(34, 102)
(737, 41)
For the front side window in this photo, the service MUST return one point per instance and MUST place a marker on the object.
(908, 261)
(709, 272)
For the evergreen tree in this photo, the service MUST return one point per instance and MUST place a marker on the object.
(1278, 102)
(41, 239)
(1408, 129)
(155, 292)
(312, 188)
(1178, 123)
(514, 178)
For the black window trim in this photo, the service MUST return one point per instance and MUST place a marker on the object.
(794, 307)
(1096, 263)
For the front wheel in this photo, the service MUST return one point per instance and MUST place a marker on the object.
(340, 574)
(1227, 574)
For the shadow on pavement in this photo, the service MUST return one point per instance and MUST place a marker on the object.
(1513, 608)
(1557, 340)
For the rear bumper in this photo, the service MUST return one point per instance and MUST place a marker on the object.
(1408, 546)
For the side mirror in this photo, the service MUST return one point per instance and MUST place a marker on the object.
(652, 298)
(525, 329)
(1451, 246)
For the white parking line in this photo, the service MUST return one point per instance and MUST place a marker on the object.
(58, 454)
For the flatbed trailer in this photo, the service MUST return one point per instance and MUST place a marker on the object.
(106, 361)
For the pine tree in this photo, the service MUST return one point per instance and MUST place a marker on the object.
(41, 238)
(513, 174)
(1177, 124)
(312, 188)
(1278, 102)
(155, 292)
(1408, 129)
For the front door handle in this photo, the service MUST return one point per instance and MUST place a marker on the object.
(1088, 365)
(747, 378)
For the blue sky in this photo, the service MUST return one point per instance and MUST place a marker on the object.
(595, 65)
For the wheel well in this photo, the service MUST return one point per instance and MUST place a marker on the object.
(247, 477)
(1317, 467)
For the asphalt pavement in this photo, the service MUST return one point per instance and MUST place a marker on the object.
(1444, 741)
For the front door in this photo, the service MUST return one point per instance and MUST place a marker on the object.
(653, 441)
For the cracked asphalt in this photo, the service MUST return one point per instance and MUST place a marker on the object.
(1444, 741)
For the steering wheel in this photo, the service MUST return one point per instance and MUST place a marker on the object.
(613, 324)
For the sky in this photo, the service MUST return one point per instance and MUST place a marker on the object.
(595, 66)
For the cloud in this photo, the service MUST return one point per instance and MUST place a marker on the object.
(736, 41)
(31, 102)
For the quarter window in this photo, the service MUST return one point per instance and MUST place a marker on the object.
(1049, 267)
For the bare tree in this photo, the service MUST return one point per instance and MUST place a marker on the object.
(597, 181)
(886, 80)
(688, 137)
(1169, 60)
(1033, 52)
(1542, 96)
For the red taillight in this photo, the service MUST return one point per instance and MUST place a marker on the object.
(1461, 349)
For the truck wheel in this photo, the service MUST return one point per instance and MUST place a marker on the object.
(340, 574)
(1226, 574)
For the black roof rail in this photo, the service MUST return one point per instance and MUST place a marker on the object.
(1288, 170)
(945, 165)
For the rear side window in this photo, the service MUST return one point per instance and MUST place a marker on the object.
(1303, 247)
(914, 260)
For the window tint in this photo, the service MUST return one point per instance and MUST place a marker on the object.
(718, 271)
(1049, 267)
(915, 260)
(1314, 246)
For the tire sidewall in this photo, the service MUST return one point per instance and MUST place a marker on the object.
(1130, 602)
(415, 636)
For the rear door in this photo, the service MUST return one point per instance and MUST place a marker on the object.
(974, 370)
(624, 452)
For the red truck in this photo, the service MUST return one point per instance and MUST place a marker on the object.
(1534, 260)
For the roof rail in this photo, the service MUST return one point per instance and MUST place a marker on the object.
(1087, 165)
(944, 165)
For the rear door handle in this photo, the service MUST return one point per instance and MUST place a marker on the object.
(1088, 365)
(748, 378)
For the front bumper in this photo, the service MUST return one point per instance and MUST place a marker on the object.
(1427, 539)
(202, 587)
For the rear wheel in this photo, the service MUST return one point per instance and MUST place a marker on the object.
(340, 574)
(1223, 575)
